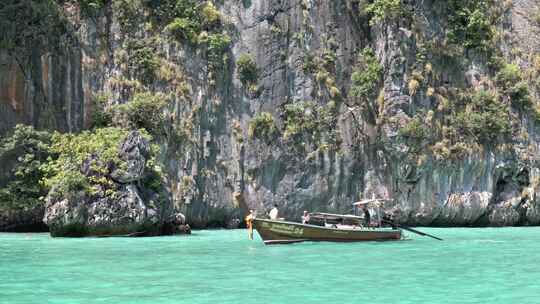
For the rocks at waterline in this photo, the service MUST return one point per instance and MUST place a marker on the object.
(22, 220)
(131, 209)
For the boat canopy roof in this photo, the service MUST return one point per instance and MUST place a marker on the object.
(332, 216)
(370, 201)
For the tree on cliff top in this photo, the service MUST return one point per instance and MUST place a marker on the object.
(22, 153)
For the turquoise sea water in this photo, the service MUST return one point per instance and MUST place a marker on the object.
(223, 266)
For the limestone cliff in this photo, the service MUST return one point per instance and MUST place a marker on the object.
(41, 73)
(309, 104)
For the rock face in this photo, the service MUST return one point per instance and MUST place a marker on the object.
(41, 85)
(219, 170)
(129, 211)
(80, 215)
(17, 220)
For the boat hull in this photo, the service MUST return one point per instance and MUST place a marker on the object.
(279, 232)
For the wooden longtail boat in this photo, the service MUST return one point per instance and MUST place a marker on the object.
(332, 227)
(283, 232)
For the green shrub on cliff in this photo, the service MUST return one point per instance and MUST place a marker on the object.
(470, 23)
(474, 119)
(166, 10)
(62, 172)
(367, 74)
(198, 24)
(100, 116)
(143, 111)
(90, 7)
(365, 80)
(417, 133)
(187, 19)
(129, 13)
(309, 64)
(509, 75)
(510, 80)
(485, 118)
(300, 120)
(247, 69)
(210, 16)
(308, 126)
(143, 60)
(263, 127)
(217, 45)
(384, 10)
(22, 153)
(520, 96)
(184, 29)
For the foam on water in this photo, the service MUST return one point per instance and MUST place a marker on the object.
(223, 266)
